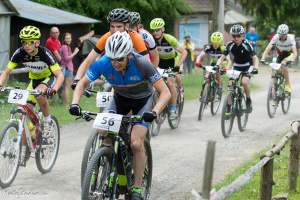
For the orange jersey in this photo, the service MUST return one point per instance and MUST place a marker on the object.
(137, 41)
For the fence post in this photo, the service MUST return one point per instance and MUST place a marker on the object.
(266, 181)
(294, 161)
(208, 169)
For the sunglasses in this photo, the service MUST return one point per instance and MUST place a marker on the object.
(236, 36)
(118, 59)
(27, 42)
(157, 30)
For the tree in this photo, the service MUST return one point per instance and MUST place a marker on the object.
(269, 14)
(149, 9)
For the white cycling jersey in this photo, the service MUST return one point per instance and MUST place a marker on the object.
(148, 38)
(285, 45)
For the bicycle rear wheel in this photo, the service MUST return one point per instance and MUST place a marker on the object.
(216, 97)
(272, 101)
(285, 102)
(92, 144)
(10, 152)
(174, 123)
(46, 154)
(203, 100)
(96, 179)
(243, 115)
(227, 116)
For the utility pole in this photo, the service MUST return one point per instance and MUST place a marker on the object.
(221, 16)
(218, 15)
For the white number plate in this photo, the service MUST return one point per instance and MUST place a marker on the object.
(108, 122)
(18, 96)
(103, 99)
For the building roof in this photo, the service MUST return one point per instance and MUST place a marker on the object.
(234, 17)
(48, 15)
(200, 6)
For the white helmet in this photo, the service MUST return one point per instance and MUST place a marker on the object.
(118, 45)
(283, 29)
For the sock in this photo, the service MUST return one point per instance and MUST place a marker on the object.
(172, 107)
(136, 189)
(47, 119)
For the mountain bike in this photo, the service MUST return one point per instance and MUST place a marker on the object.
(276, 93)
(109, 173)
(174, 123)
(25, 122)
(234, 104)
(210, 92)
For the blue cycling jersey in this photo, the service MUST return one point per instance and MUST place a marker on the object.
(136, 83)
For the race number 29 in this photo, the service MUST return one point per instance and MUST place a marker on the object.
(18, 96)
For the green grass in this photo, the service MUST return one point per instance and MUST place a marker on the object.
(251, 190)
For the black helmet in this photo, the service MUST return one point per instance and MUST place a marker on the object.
(118, 15)
(134, 18)
(237, 30)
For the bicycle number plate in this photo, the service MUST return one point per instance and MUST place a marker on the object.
(18, 96)
(103, 99)
(108, 122)
(234, 74)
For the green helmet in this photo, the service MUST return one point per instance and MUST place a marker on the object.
(157, 23)
(30, 33)
(217, 38)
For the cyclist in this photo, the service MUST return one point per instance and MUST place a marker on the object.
(132, 77)
(286, 49)
(135, 25)
(214, 50)
(45, 74)
(243, 57)
(167, 46)
(118, 20)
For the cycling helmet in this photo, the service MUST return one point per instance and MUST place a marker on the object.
(118, 45)
(118, 15)
(157, 23)
(237, 30)
(134, 18)
(216, 38)
(283, 29)
(30, 33)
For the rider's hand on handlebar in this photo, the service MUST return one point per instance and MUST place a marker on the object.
(149, 116)
(50, 92)
(75, 110)
(255, 71)
(263, 61)
(176, 68)
(74, 84)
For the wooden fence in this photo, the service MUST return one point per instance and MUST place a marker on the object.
(265, 165)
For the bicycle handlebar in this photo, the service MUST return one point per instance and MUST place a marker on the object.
(88, 116)
(31, 92)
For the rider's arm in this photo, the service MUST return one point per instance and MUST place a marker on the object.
(59, 79)
(220, 60)
(154, 56)
(4, 76)
(183, 55)
(164, 95)
(267, 50)
(85, 64)
(82, 84)
(199, 59)
(255, 61)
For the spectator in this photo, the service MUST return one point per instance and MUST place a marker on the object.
(53, 44)
(189, 61)
(252, 37)
(67, 65)
(271, 34)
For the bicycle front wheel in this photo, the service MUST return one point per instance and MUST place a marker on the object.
(285, 102)
(242, 117)
(216, 97)
(46, 154)
(96, 183)
(203, 101)
(174, 123)
(10, 152)
(147, 178)
(272, 101)
(227, 116)
(92, 144)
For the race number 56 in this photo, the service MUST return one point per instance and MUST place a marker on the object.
(108, 122)
(18, 96)
(103, 99)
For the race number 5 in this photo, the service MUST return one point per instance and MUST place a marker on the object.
(18, 96)
(108, 122)
(103, 99)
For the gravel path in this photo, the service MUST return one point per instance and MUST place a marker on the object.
(178, 154)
